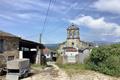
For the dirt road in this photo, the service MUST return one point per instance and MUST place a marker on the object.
(49, 73)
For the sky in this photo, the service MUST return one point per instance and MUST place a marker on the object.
(98, 20)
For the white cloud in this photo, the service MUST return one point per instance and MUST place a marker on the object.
(117, 40)
(99, 26)
(20, 10)
(25, 16)
(39, 5)
(6, 17)
(112, 6)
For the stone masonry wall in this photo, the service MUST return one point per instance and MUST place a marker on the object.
(11, 48)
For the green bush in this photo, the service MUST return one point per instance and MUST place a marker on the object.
(105, 59)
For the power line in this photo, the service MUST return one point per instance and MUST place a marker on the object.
(70, 8)
(49, 6)
(44, 27)
(43, 30)
(54, 2)
(56, 29)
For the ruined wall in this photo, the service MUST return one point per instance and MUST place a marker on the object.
(79, 58)
(82, 56)
(11, 46)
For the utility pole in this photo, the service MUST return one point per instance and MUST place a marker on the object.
(40, 38)
(39, 51)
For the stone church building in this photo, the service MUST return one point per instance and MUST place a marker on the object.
(73, 49)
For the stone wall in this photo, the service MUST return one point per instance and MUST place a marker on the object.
(83, 55)
(75, 41)
(64, 59)
(9, 55)
(11, 48)
(79, 58)
(11, 44)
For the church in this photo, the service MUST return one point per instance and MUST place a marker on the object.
(73, 50)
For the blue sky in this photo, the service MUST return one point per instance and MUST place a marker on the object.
(98, 20)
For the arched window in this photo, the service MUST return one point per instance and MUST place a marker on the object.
(72, 44)
(76, 34)
(71, 34)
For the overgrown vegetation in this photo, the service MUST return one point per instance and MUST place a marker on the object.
(105, 59)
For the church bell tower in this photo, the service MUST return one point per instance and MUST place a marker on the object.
(73, 36)
(73, 32)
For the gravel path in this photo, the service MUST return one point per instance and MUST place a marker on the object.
(50, 73)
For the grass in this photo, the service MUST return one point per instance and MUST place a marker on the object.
(73, 68)
(37, 66)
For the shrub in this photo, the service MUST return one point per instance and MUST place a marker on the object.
(105, 59)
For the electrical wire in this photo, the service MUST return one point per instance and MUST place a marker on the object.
(44, 23)
(44, 27)
(47, 13)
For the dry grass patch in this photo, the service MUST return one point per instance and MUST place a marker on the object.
(73, 68)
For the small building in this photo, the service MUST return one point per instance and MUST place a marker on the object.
(14, 47)
(47, 53)
(70, 54)
(50, 55)
(9, 45)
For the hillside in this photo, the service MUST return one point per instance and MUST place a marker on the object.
(52, 46)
